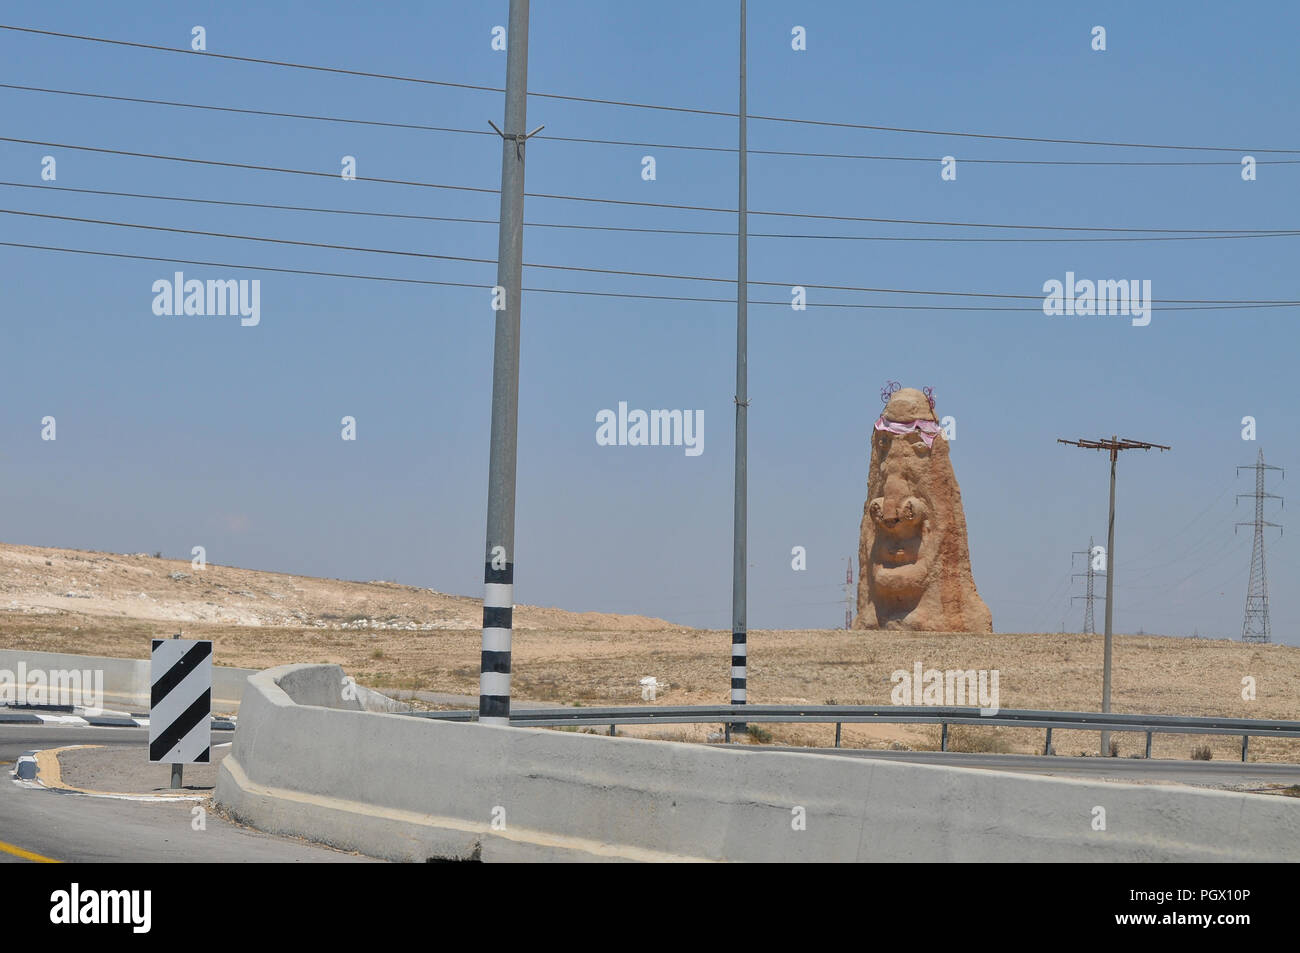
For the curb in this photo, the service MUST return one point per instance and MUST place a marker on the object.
(29, 765)
(25, 768)
(25, 717)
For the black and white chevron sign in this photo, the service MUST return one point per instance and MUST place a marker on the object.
(180, 701)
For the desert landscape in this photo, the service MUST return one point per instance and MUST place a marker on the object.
(392, 636)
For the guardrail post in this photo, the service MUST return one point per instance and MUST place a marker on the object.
(611, 731)
(943, 738)
(837, 734)
(1148, 745)
(1047, 745)
(1245, 743)
(726, 732)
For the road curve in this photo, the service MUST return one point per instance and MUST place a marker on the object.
(44, 824)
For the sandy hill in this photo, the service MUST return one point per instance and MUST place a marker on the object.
(40, 581)
(390, 636)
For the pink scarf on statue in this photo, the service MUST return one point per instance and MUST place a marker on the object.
(927, 428)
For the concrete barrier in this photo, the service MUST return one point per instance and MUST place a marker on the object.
(307, 761)
(126, 681)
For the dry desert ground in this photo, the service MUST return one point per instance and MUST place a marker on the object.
(395, 636)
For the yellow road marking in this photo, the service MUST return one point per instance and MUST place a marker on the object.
(47, 765)
(27, 854)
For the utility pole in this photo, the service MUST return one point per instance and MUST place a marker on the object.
(739, 650)
(1114, 445)
(1255, 626)
(499, 562)
(1089, 626)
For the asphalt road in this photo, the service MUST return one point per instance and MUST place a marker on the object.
(1228, 774)
(73, 827)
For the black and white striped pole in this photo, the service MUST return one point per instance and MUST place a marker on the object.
(499, 572)
(739, 649)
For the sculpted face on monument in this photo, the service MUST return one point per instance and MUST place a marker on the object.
(905, 540)
(913, 553)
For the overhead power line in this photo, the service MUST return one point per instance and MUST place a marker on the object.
(602, 294)
(629, 228)
(247, 166)
(209, 54)
(614, 271)
(638, 204)
(1008, 138)
(421, 127)
(632, 104)
(1164, 545)
(253, 112)
(480, 285)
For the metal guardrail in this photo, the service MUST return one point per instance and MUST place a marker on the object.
(840, 715)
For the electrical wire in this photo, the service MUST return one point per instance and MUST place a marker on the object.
(628, 103)
(564, 291)
(631, 229)
(614, 271)
(638, 204)
(787, 153)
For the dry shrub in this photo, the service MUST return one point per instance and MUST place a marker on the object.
(971, 740)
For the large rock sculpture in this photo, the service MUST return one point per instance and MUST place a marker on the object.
(913, 556)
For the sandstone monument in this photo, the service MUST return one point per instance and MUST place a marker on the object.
(915, 563)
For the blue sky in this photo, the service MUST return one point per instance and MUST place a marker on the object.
(183, 431)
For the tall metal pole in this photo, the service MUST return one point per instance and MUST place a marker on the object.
(1114, 445)
(738, 580)
(499, 563)
(1110, 593)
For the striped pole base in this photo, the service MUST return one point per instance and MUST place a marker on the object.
(494, 674)
(738, 674)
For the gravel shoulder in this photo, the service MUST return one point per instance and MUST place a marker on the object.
(125, 769)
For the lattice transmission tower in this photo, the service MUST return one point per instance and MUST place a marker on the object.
(849, 595)
(1089, 627)
(1255, 626)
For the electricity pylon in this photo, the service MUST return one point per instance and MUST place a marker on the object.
(1255, 626)
(1089, 627)
(848, 595)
